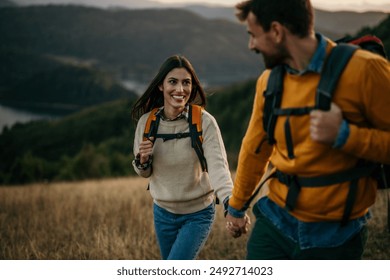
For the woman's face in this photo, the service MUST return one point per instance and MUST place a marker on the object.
(176, 87)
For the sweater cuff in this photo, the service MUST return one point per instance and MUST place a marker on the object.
(342, 136)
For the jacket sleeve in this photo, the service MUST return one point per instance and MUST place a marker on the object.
(254, 153)
(373, 142)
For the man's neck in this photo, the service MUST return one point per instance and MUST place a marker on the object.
(301, 51)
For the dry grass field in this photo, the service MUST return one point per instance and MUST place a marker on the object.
(112, 220)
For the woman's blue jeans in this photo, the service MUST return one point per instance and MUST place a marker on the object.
(182, 236)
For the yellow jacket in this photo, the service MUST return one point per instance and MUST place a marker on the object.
(363, 94)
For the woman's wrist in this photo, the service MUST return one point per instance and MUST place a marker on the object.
(142, 166)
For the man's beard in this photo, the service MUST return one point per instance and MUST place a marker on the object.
(278, 58)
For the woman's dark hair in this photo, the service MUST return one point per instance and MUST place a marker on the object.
(296, 15)
(153, 98)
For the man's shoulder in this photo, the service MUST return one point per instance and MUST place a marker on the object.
(263, 78)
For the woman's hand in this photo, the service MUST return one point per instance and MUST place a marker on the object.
(145, 150)
(237, 226)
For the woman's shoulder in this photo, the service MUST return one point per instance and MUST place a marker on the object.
(208, 119)
(145, 116)
(207, 115)
(142, 120)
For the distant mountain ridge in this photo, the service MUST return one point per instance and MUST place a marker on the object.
(358, 7)
(124, 41)
(7, 3)
(129, 45)
(132, 4)
(334, 23)
(132, 44)
(340, 23)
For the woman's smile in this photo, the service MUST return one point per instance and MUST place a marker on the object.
(176, 88)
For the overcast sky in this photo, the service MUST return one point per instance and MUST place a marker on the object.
(331, 5)
(360, 5)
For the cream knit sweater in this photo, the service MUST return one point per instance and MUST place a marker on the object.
(176, 180)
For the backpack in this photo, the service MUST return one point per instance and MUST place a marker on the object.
(332, 70)
(368, 42)
(195, 131)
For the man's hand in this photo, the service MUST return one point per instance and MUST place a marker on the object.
(237, 226)
(325, 125)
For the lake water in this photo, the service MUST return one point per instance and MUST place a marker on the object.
(135, 86)
(10, 116)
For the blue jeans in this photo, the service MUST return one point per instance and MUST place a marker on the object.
(182, 236)
(267, 242)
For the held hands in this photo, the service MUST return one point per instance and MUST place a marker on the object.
(325, 125)
(237, 226)
(145, 150)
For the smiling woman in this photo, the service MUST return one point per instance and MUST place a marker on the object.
(189, 171)
(176, 88)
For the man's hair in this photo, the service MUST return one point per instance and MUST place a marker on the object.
(296, 15)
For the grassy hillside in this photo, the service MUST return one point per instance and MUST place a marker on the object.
(112, 220)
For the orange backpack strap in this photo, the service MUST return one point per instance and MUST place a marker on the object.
(197, 119)
(195, 124)
(149, 123)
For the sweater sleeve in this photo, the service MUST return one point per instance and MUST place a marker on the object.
(137, 140)
(254, 153)
(373, 142)
(215, 154)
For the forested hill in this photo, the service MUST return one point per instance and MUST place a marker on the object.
(97, 142)
(87, 52)
(42, 84)
(131, 44)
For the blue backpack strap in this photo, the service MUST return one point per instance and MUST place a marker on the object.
(331, 72)
(273, 99)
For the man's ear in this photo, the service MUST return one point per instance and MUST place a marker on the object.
(277, 30)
